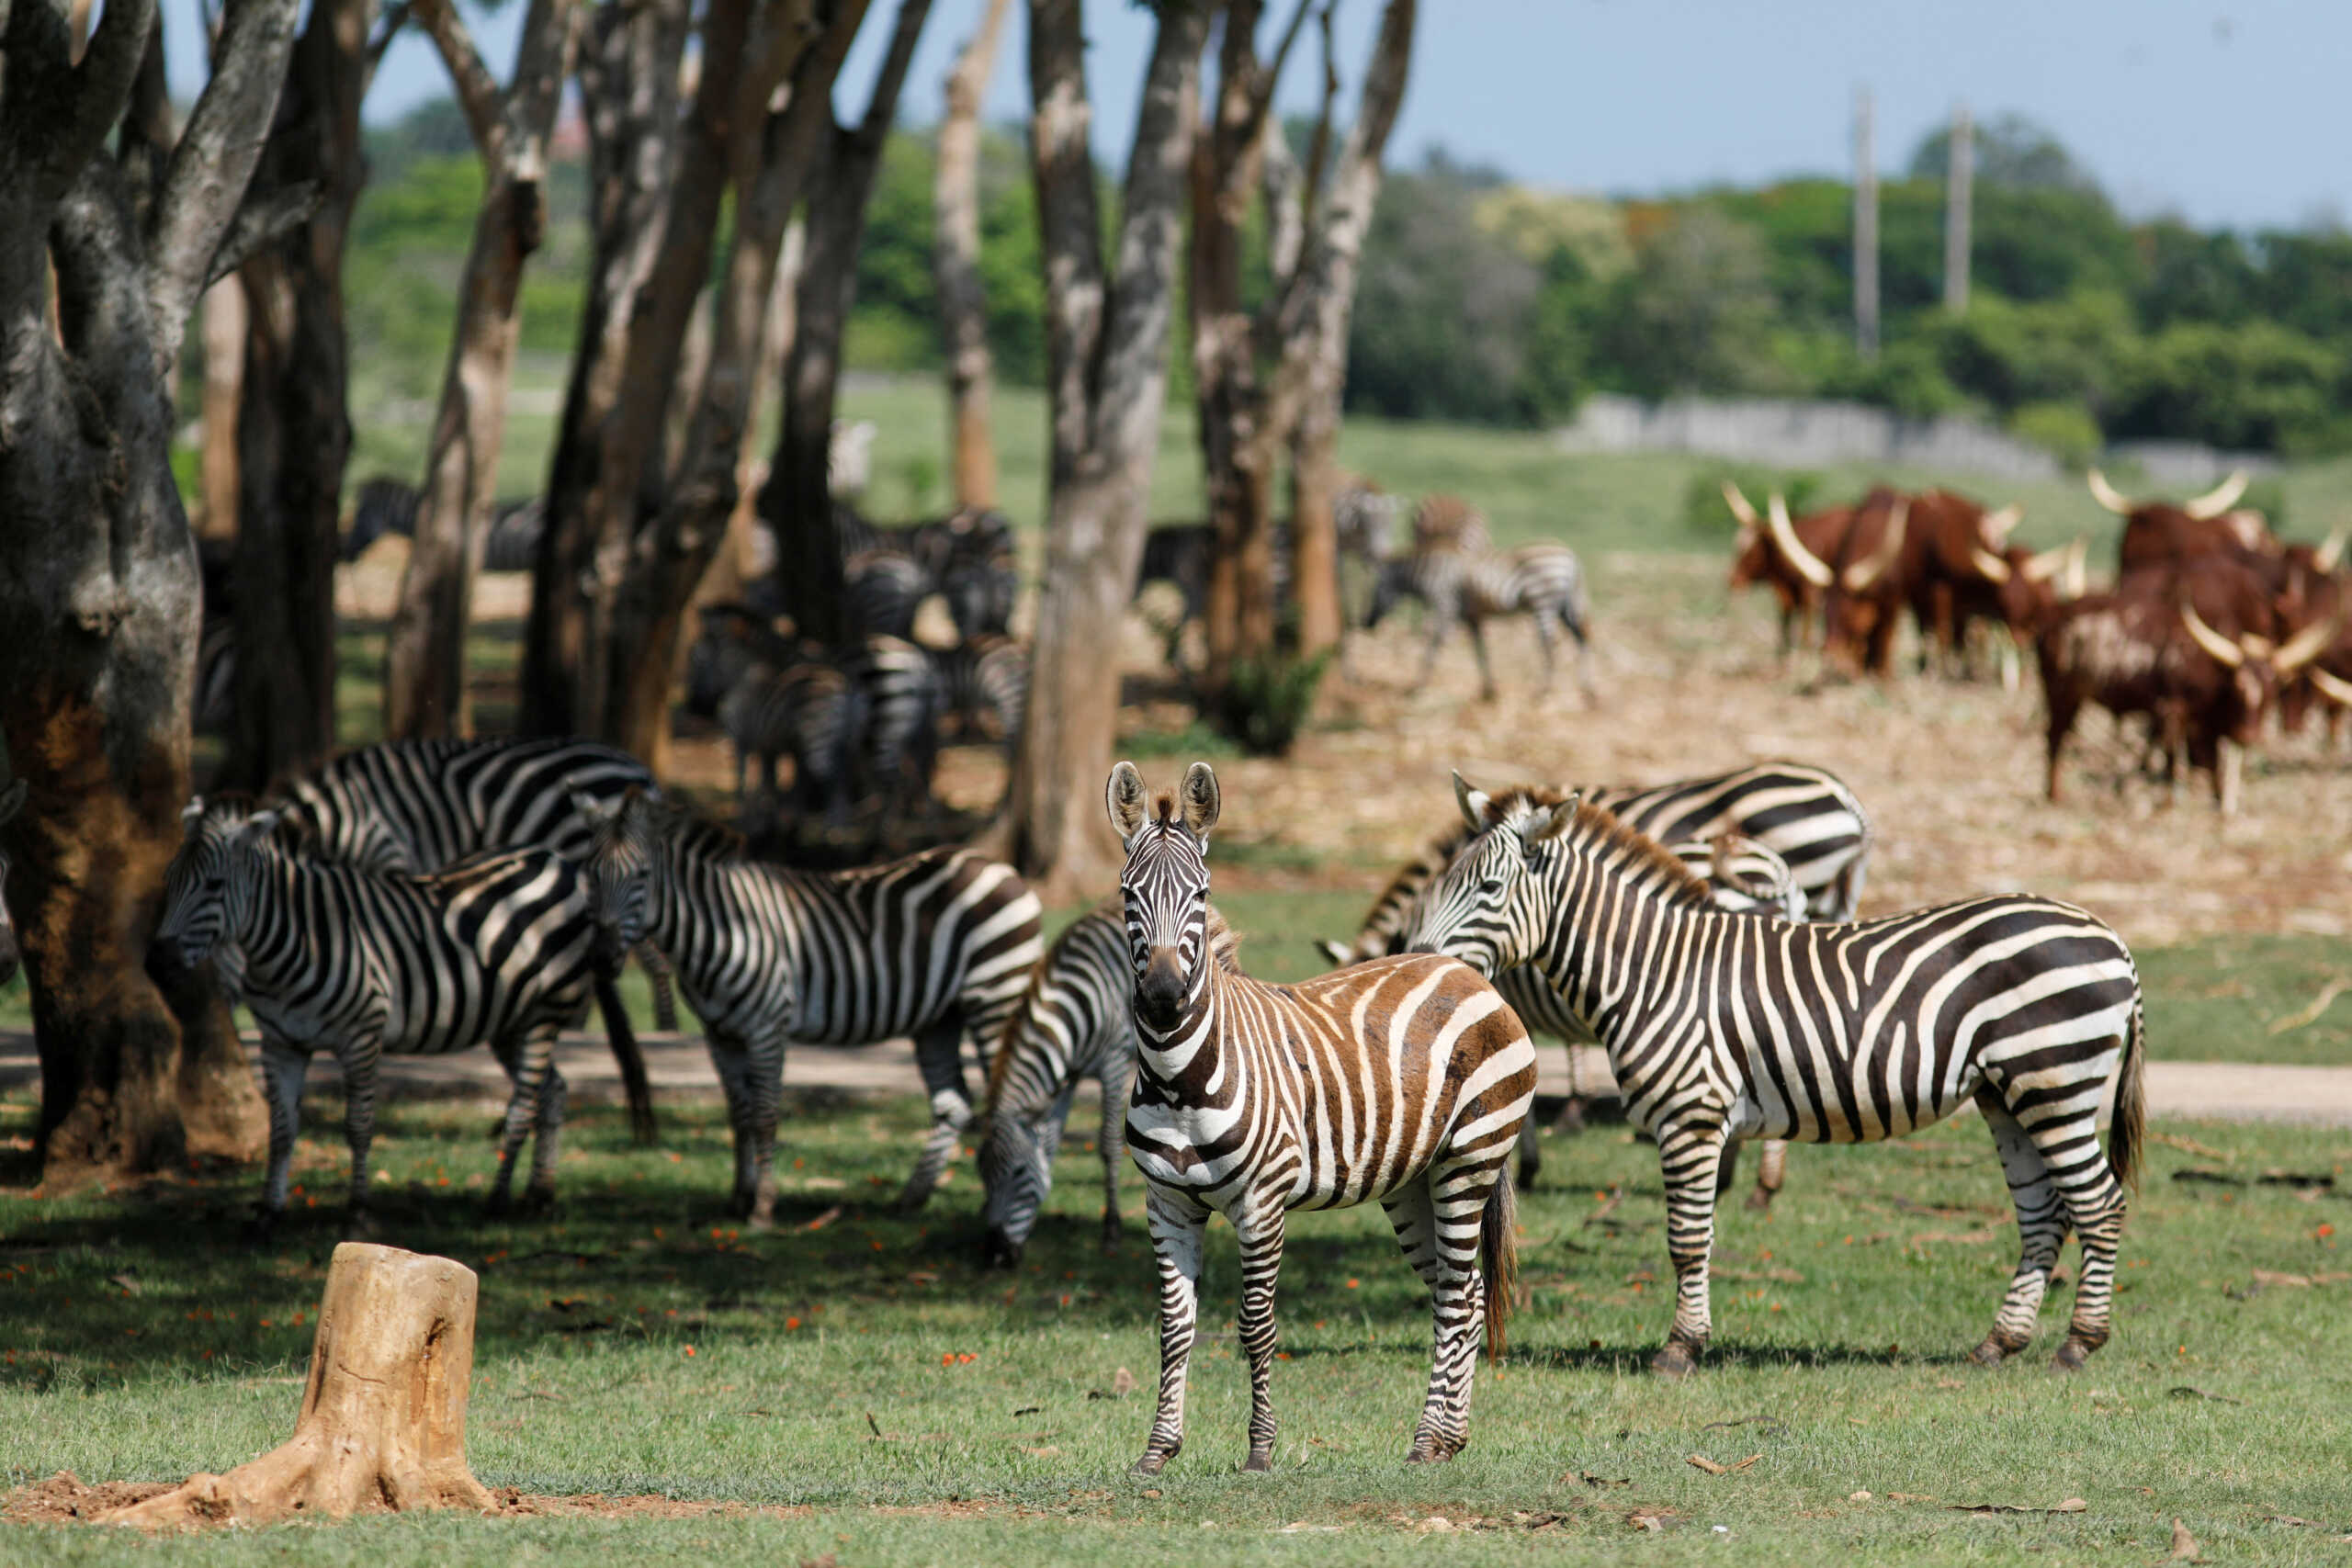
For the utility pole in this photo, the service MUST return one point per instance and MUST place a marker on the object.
(1865, 231)
(1959, 175)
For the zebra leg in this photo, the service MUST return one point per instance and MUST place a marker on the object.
(732, 1061)
(939, 1053)
(1112, 1141)
(1436, 1220)
(359, 1058)
(523, 1070)
(1260, 1232)
(282, 1067)
(662, 977)
(547, 1141)
(2068, 1141)
(1771, 1166)
(1687, 1157)
(2042, 1231)
(1485, 671)
(1179, 1225)
(1530, 1156)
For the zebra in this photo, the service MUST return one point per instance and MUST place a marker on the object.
(734, 637)
(902, 697)
(498, 949)
(1545, 580)
(1721, 1027)
(1253, 1099)
(416, 805)
(513, 542)
(12, 800)
(1744, 877)
(986, 674)
(980, 586)
(884, 589)
(1072, 1023)
(808, 711)
(386, 505)
(934, 945)
(1450, 523)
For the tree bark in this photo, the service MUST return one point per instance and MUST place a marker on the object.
(1106, 377)
(224, 381)
(383, 1418)
(424, 662)
(956, 265)
(97, 573)
(798, 504)
(293, 431)
(629, 91)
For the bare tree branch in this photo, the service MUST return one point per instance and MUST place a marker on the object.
(477, 89)
(1261, 96)
(261, 219)
(63, 111)
(1318, 149)
(395, 18)
(882, 106)
(205, 183)
(146, 145)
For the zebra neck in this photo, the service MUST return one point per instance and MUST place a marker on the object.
(1613, 950)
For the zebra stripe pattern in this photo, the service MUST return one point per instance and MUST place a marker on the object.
(498, 950)
(1402, 1082)
(809, 712)
(1720, 1027)
(987, 674)
(901, 698)
(1073, 1024)
(418, 805)
(1543, 581)
(884, 589)
(936, 945)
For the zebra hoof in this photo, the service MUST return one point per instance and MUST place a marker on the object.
(1152, 1463)
(1674, 1362)
(2072, 1355)
(1759, 1201)
(1991, 1353)
(1260, 1462)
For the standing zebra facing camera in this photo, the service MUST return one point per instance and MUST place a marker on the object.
(1543, 581)
(497, 949)
(1402, 1082)
(1720, 1027)
(936, 945)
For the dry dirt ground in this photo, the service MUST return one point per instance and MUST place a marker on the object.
(1690, 682)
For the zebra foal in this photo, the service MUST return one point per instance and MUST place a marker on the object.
(1073, 1024)
(1402, 1082)
(498, 949)
(933, 946)
(1721, 1027)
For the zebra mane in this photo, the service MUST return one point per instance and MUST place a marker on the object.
(697, 835)
(1601, 834)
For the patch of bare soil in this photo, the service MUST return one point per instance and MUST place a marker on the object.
(65, 1499)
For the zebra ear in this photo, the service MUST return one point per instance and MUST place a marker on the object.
(1473, 803)
(1202, 800)
(589, 809)
(1554, 825)
(259, 826)
(1124, 799)
(193, 810)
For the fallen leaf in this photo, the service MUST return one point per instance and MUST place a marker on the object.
(2070, 1505)
(828, 1217)
(2190, 1391)
(1700, 1462)
(2184, 1545)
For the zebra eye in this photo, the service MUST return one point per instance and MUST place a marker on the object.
(1492, 885)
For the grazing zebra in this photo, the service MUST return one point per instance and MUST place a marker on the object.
(12, 800)
(902, 697)
(934, 945)
(810, 712)
(1073, 1024)
(1721, 1027)
(1403, 1081)
(416, 805)
(1744, 877)
(1542, 581)
(497, 949)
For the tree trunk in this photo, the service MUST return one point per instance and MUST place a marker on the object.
(383, 1418)
(1106, 377)
(629, 88)
(956, 265)
(224, 380)
(424, 654)
(97, 573)
(293, 432)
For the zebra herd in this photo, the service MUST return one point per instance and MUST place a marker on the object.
(424, 898)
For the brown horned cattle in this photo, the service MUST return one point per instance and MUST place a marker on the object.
(2319, 593)
(1952, 563)
(2195, 653)
(2020, 601)
(2167, 533)
(1796, 577)
(1865, 591)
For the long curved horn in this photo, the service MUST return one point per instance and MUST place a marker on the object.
(1740, 507)
(1991, 568)
(2218, 500)
(2211, 641)
(1995, 526)
(2308, 644)
(2076, 581)
(1861, 574)
(2333, 688)
(2106, 495)
(2046, 565)
(1808, 565)
(2331, 550)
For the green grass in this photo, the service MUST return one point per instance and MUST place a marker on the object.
(1842, 1322)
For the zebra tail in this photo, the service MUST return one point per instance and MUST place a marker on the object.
(642, 1125)
(2130, 1129)
(1499, 1259)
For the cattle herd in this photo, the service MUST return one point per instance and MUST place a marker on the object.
(416, 898)
(2213, 630)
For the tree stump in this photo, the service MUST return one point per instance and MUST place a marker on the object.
(383, 1421)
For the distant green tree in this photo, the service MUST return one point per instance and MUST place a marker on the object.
(1695, 314)
(2008, 150)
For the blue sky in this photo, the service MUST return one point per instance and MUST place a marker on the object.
(2229, 112)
